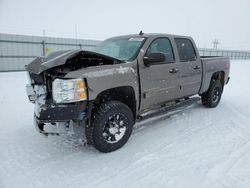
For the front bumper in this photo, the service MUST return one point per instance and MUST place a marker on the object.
(58, 113)
(48, 112)
(60, 117)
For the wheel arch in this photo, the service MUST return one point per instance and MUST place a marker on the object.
(218, 75)
(124, 94)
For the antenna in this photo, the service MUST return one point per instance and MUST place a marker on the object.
(141, 33)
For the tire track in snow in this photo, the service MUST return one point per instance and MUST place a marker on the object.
(217, 175)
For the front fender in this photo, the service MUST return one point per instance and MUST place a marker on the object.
(106, 77)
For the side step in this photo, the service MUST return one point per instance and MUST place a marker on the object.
(178, 105)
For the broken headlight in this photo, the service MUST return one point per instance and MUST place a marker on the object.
(67, 91)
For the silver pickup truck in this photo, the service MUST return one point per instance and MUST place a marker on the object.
(110, 88)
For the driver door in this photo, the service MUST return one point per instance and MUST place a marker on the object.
(160, 80)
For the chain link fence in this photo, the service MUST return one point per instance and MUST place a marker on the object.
(18, 50)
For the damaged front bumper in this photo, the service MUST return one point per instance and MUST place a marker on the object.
(58, 113)
(47, 112)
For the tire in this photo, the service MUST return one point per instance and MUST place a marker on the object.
(111, 126)
(212, 97)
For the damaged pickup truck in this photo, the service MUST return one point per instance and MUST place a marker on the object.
(123, 79)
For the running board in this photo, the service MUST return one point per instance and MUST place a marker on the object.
(178, 105)
(49, 133)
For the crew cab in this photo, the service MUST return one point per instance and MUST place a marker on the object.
(107, 90)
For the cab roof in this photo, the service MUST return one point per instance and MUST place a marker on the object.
(149, 35)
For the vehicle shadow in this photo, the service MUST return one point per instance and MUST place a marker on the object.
(164, 117)
(77, 142)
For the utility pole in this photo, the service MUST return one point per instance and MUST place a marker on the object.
(43, 33)
(215, 44)
(76, 33)
(43, 44)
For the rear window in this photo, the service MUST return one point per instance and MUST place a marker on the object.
(185, 49)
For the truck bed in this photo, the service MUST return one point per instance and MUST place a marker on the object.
(204, 57)
(212, 64)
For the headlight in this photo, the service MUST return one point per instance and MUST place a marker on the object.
(66, 91)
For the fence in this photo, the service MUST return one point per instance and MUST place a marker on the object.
(18, 50)
(232, 54)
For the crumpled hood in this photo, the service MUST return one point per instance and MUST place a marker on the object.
(54, 59)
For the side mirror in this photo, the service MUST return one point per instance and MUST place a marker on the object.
(154, 58)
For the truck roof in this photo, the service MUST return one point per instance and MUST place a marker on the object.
(148, 35)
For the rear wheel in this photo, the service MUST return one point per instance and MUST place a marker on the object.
(111, 126)
(212, 97)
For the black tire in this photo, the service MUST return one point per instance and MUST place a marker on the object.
(212, 97)
(111, 126)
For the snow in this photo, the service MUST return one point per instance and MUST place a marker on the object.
(195, 147)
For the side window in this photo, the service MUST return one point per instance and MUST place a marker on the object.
(185, 49)
(162, 45)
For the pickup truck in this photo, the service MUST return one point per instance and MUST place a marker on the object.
(107, 90)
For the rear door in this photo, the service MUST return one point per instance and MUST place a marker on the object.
(159, 82)
(191, 70)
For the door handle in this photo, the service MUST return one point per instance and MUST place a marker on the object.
(197, 67)
(174, 70)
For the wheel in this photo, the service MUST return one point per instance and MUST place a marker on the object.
(111, 126)
(212, 97)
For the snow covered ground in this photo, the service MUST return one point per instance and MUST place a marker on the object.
(197, 147)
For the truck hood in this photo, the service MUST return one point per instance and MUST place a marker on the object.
(58, 58)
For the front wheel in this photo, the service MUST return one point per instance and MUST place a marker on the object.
(111, 126)
(212, 97)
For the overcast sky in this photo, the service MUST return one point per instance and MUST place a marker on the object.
(204, 20)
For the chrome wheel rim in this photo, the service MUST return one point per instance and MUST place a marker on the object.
(216, 94)
(115, 128)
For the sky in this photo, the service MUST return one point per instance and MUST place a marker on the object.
(228, 21)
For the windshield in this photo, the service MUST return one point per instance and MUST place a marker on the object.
(120, 48)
